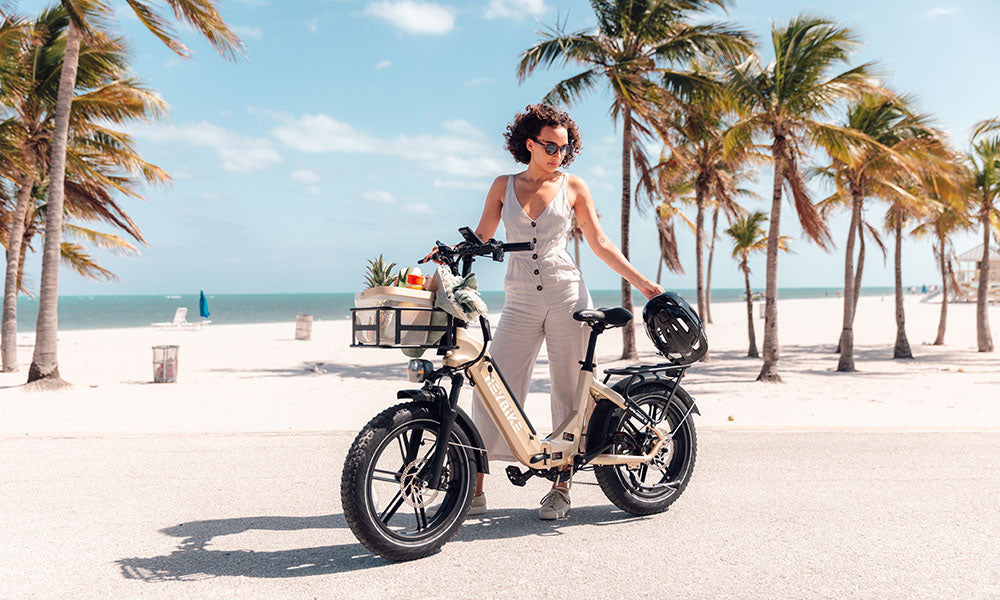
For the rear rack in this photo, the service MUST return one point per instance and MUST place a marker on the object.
(635, 370)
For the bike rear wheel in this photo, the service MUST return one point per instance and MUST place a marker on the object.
(385, 502)
(651, 487)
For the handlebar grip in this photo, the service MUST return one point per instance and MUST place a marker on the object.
(518, 246)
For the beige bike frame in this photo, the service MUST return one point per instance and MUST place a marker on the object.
(559, 447)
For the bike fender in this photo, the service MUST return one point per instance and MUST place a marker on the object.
(463, 420)
(648, 381)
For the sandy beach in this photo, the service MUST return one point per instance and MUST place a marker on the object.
(258, 378)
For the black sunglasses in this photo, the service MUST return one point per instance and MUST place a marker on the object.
(551, 148)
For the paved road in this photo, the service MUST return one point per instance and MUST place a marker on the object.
(769, 514)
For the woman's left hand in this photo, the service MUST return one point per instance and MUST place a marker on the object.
(650, 289)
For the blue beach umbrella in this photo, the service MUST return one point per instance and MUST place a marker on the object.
(203, 306)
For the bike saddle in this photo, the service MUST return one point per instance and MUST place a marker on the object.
(609, 317)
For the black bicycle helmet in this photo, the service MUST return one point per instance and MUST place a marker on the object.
(675, 328)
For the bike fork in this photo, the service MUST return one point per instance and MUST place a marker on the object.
(449, 412)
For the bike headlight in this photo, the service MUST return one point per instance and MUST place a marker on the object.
(418, 369)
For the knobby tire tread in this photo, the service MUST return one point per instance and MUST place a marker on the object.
(353, 476)
(616, 492)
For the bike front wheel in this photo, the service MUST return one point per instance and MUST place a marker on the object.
(386, 504)
(651, 487)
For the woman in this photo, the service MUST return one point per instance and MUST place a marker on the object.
(543, 288)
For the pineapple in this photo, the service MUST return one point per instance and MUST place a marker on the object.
(378, 272)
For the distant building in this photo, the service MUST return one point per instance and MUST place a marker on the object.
(968, 273)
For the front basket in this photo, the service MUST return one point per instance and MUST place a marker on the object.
(402, 327)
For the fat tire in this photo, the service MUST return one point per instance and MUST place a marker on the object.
(620, 495)
(353, 483)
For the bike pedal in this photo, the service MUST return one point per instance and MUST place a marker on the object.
(517, 477)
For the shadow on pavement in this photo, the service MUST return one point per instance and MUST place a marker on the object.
(193, 561)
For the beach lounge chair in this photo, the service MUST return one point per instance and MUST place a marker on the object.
(180, 322)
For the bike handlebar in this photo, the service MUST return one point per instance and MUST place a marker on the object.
(472, 247)
(518, 246)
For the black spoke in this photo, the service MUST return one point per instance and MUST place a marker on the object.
(391, 509)
(419, 512)
(413, 445)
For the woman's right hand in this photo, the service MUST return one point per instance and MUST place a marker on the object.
(430, 257)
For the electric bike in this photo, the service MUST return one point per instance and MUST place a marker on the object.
(409, 477)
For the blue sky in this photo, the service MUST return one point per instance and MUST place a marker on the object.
(354, 128)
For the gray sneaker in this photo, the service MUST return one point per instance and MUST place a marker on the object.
(555, 504)
(478, 505)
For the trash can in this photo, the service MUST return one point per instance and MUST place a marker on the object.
(303, 326)
(165, 364)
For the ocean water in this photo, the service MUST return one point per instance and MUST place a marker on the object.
(107, 312)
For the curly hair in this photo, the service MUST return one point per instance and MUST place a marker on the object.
(527, 126)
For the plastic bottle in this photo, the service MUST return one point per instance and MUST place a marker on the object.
(415, 279)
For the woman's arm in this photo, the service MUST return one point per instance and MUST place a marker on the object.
(490, 220)
(598, 241)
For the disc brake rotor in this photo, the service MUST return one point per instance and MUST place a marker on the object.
(414, 490)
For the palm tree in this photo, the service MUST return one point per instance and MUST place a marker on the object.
(948, 215)
(748, 236)
(984, 166)
(898, 143)
(84, 17)
(696, 154)
(781, 100)
(97, 156)
(635, 40)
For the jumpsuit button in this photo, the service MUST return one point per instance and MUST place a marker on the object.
(534, 256)
(533, 224)
(536, 271)
(539, 288)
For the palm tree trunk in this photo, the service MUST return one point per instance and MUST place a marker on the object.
(628, 332)
(8, 337)
(846, 362)
(861, 263)
(769, 370)
(708, 268)
(659, 269)
(45, 363)
(983, 337)
(752, 352)
(576, 251)
(902, 348)
(699, 243)
(939, 340)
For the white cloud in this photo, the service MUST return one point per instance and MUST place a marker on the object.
(248, 31)
(940, 11)
(461, 184)
(515, 9)
(460, 150)
(238, 152)
(313, 25)
(383, 64)
(305, 176)
(414, 16)
(379, 197)
(320, 133)
(599, 171)
(480, 80)
(418, 208)
(312, 190)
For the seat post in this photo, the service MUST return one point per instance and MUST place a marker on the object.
(588, 360)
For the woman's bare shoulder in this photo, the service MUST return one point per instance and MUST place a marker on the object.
(578, 188)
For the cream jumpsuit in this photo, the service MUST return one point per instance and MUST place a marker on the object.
(543, 289)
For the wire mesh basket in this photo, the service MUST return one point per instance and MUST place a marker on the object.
(402, 327)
